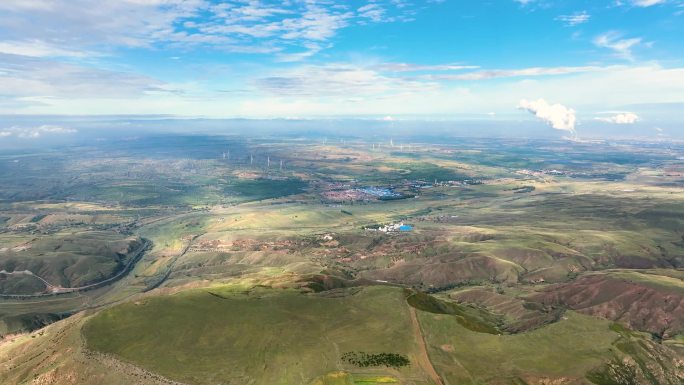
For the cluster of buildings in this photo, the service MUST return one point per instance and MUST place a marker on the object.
(539, 173)
(392, 228)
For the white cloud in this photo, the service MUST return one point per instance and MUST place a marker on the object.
(55, 129)
(348, 89)
(78, 25)
(316, 23)
(555, 115)
(372, 11)
(338, 79)
(647, 3)
(71, 27)
(309, 49)
(35, 132)
(410, 67)
(22, 76)
(612, 88)
(9, 5)
(37, 48)
(574, 19)
(622, 118)
(614, 41)
(521, 72)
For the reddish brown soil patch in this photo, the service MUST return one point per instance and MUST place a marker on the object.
(643, 307)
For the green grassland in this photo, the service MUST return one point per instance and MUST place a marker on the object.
(283, 337)
(651, 279)
(468, 357)
(22, 315)
(265, 188)
(228, 227)
(68, 260)
(564, 351)
(233, 334)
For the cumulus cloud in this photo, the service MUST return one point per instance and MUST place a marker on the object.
(35, 132)
(556, 115)
(621, 118)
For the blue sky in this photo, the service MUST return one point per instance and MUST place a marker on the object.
(563, 61)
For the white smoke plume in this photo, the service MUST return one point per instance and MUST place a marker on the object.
(622, 118)
(555, 115)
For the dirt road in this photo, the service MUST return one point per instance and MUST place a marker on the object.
(423, 358)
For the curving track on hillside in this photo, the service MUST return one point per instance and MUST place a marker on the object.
(57, 290)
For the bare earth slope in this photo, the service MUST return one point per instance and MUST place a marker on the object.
(642, 301)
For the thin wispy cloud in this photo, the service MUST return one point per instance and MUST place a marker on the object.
(372, 11)
(647, 3)
(412, 67)
(78, 24)
(22, 76)
(376, 12)
(639, 3)
(510, 73)
(347, 78)
(622, 47)
(574, 19)
(37, 48)
(338, 79)
(70, 27)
